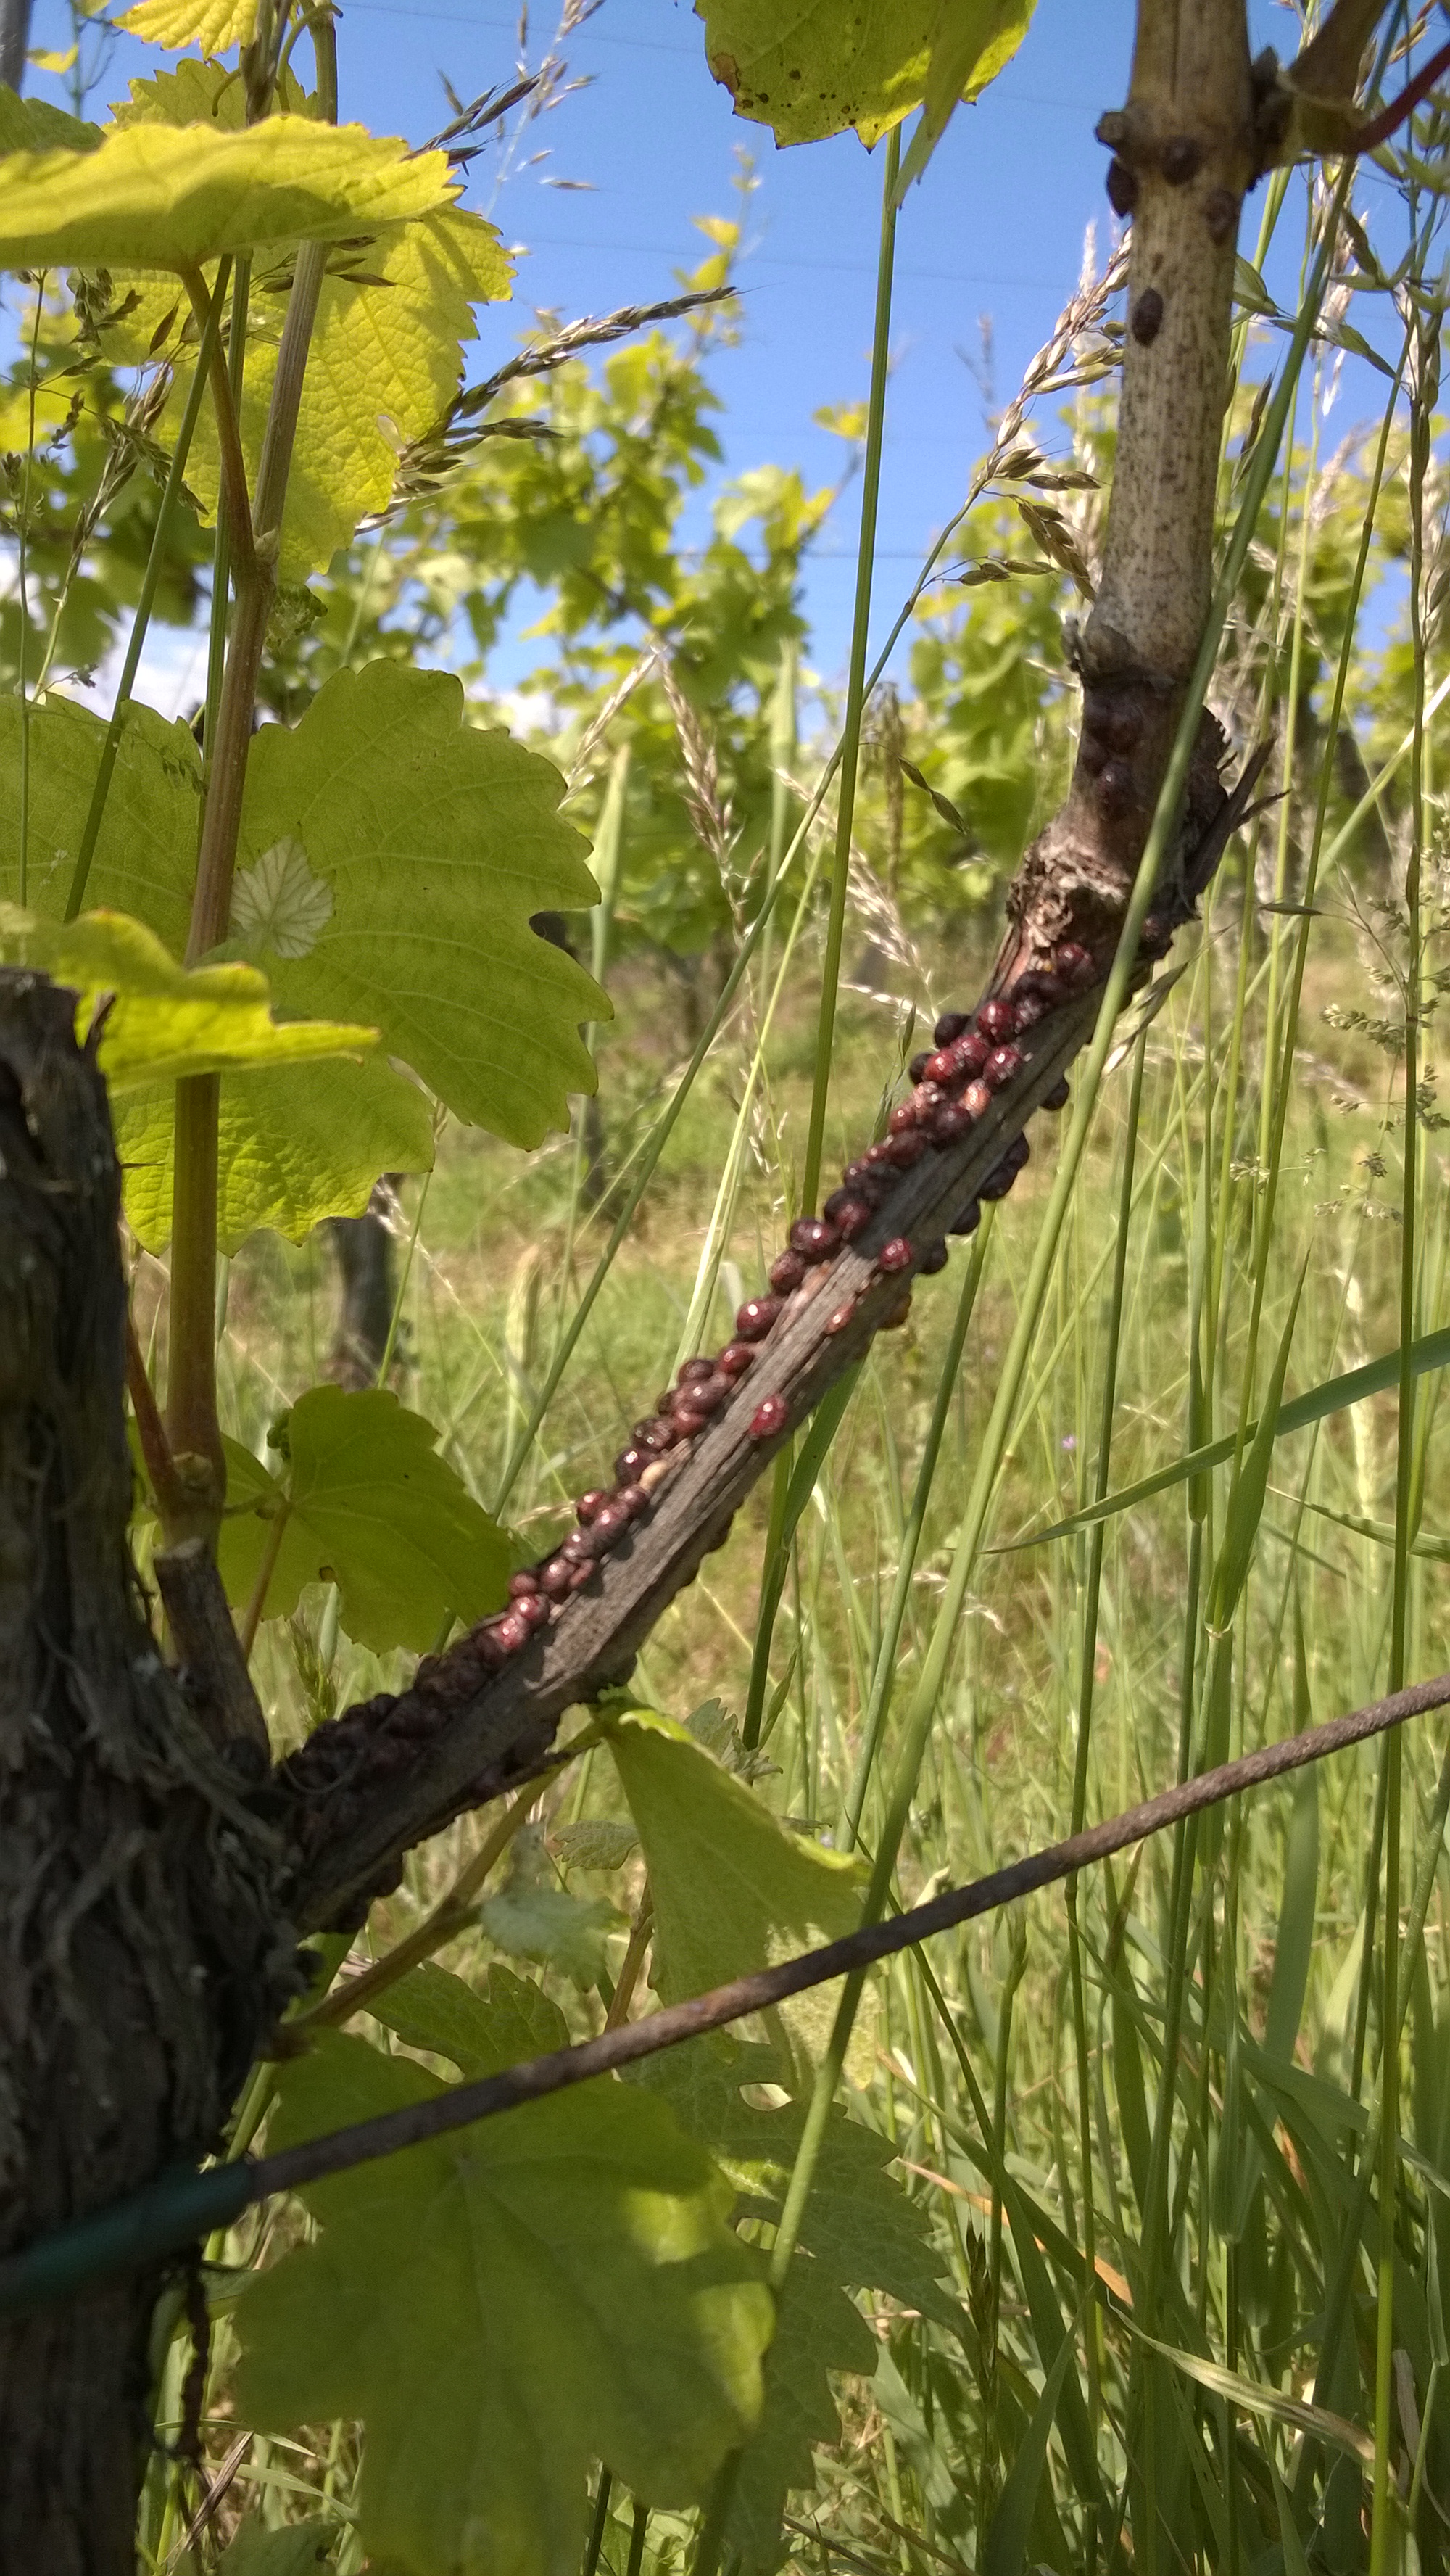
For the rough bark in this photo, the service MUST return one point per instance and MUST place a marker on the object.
(1184, 153)
(141, 1948)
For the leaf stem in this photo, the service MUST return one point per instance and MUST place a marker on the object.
(256, 543)
(212, 363)
(856, 681)
(22, 559)
(272, 1549)
(95, 813)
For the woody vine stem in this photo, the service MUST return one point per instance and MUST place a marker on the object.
(1097, 901)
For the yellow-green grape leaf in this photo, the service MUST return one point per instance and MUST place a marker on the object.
(215, 25)
(161, 196)
(385, 360)
(295, 1145)
(973, 40)
(371, 1507)
(500, 2308)
(165, 1020)
(204, 93)
(436, 841)
(815, 69)
(733, 1889)
(299, 1142)
(145, 860)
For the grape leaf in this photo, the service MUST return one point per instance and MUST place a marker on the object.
(203, 93)
(215, 25)
(161, 196)
(973, 40)
(532, 1917)
(295, 1145)
(595, 1843)
(815, 69)
(502, 2306)
(386, 350)
(437, 841)
(733, 1889)
(145, 859)
(167, 1020)
(479, 2033)
(298, 1143)
(384, 362)
(371, 1507)
(33, 125)
(860, 2231)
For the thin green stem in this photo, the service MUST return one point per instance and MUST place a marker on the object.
(884, 1669)
(155, 565)
(23, 559)
(1382, 2528)
(856, 679)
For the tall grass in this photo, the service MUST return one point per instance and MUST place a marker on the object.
(1184, 2140)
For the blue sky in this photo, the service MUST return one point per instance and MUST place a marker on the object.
(996, 229)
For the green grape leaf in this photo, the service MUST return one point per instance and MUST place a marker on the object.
(479, 2033)
(295, 1145)
(161, 196)
(813, 70)
(279, 903)
(299, 2550)
(532, 1917)
(371, 1507)
(33, 125)
(165, 1020)
(215, 25)
(502, 2306)
(145, 860)
(733, 1888)
(203, 93)
(298, 1143)
(437, 841)
(383, 364)
(594, 1843)
(972, 42)
(860, 2231)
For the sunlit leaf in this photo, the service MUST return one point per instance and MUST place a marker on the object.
(437, 842)
(733, 1888)
(370, 1506)
(215, 25)
(384, 361)
(816, 69)
(164, 1020)
(203, 93)
(500, 2308)
(160, 196)
(972, 42)
(297, 1144)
